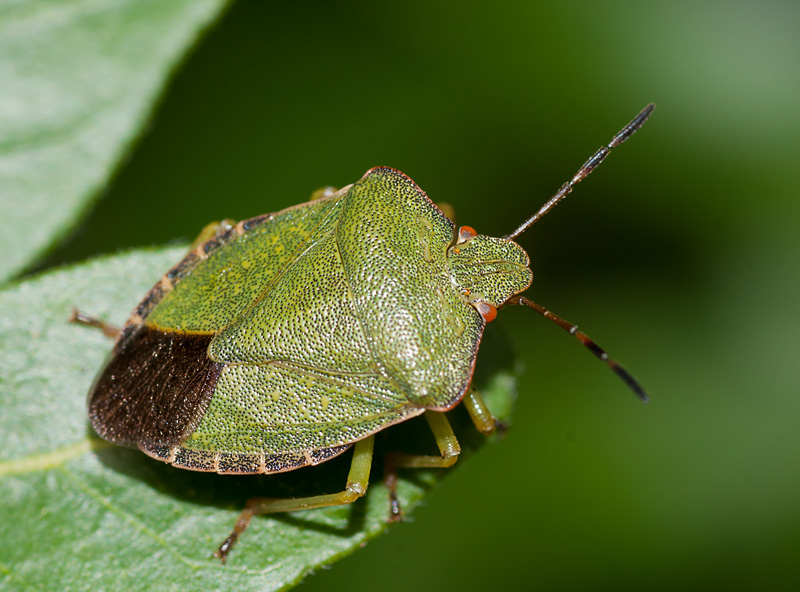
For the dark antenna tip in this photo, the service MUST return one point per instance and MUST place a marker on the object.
(629, 380)
(591, 164)
(634, 125)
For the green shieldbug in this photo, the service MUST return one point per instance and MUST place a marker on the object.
(283, 340)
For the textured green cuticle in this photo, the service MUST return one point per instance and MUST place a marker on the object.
(236, 275)
(490, 269)
(358, 328)
(339, 317)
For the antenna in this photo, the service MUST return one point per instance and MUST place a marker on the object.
(584, 171)
(587, 341)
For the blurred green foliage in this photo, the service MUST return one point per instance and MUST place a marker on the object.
(678, 255)
(79, 81)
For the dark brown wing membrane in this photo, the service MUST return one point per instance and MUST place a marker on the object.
(155, 388)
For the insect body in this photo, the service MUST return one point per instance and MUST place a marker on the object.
(285, 339)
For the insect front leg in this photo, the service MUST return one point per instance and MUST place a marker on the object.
(447, 210)
(448, 447)
(322, 193)
(479, 413)
(357, 481)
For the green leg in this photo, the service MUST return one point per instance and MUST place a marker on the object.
(209, 230)
(484, 421)
(80, 318)
(448, 447)
(323, 192)
(447, 210)
(357, 481)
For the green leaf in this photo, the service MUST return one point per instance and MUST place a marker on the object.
(78, 513)
(78, 80)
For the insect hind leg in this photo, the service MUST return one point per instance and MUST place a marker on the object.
(357, 481)
(448, 447)
(80, 318)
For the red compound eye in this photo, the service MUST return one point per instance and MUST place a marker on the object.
(487, 311)
(465, 233)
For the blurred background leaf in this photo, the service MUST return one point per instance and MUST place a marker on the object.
(78, 81)
(678, 255)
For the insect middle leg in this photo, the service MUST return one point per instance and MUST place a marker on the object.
(448, 447)
(357, 481)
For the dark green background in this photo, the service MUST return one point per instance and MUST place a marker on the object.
(680, 256)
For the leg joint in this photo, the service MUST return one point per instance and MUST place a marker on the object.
(353, 491)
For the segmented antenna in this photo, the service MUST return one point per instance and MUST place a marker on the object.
(587, 341)
(584, 171)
